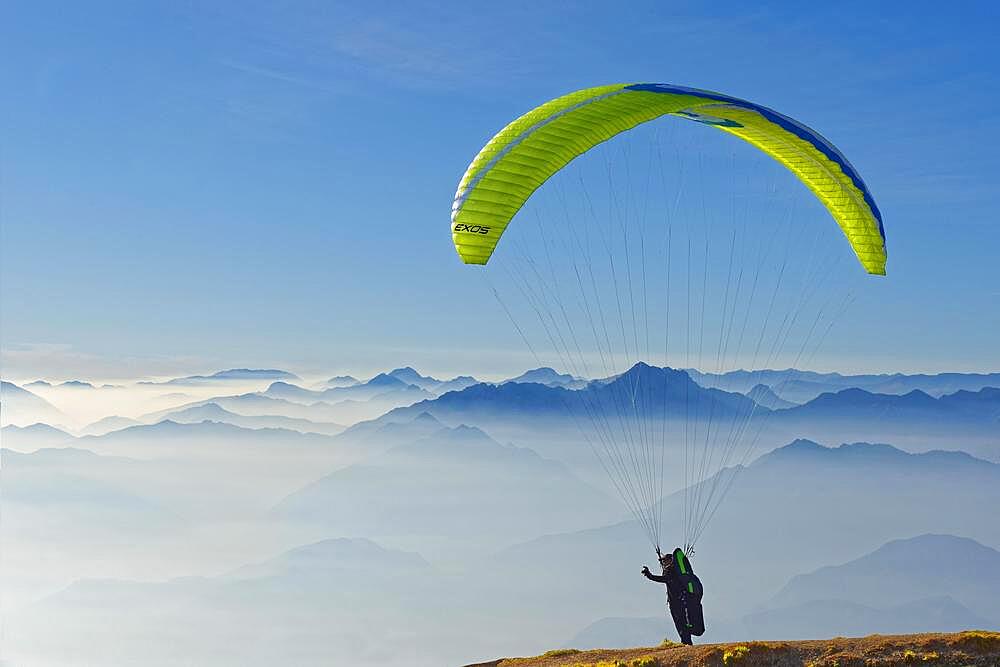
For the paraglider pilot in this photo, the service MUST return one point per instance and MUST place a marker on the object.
(684, 593)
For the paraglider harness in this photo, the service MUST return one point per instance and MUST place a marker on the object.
(684, 593)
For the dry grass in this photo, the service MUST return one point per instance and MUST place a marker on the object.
(975, 648)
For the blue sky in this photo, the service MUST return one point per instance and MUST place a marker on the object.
(190, 186)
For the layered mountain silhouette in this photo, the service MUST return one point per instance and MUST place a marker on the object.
(210, 441)
(232, 375)
(253, 405)
(75, 384)
(108, 424)
(963, 420)
(666, 392)
(494, 484)
(763, 396)
(377, 436)
(21, 407)
(341, 381)
(77, 480)
(547, 376)
(335, 557)
(550, 418)
(452, 482)
(433, 385)
(215, 412)
(906, 570)
(206, 469)
(802, 386)
(379, 385)
(929, 583)
(799, 507)
(983, 404)
(644, 390)
(35, 436)
(328, 595)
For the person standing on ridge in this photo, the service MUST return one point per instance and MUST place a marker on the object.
(684, 592)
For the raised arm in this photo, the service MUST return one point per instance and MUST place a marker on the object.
(653, 577)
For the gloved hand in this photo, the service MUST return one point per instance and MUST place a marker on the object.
(645, 570)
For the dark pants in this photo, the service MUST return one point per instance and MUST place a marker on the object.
(688, 616)
(680, 618)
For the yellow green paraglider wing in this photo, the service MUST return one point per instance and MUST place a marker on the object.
(527, 152)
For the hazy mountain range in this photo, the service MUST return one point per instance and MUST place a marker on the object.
(548, 419)
(798, 508)
(263, 518)
(214, 412)
(21, 407)
(453, 482)
(231, 375)
(548, 376)
(927, 583)
(801, 386)
(326, 598)
(903, 573)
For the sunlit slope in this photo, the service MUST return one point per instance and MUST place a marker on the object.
(962, 649)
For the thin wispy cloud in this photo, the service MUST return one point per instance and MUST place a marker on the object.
(288, 77)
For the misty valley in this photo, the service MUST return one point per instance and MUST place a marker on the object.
(255, 517)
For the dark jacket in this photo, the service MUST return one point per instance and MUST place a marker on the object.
(669, 577)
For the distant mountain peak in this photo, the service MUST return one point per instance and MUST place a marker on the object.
(544, 375)
(870, 447)
(231, 374)
(764, 396)
(342, 381)
(464, 430)
(918, 393)
(462, 443)
(462, 434)
(19, 401)
(425, 418)
(335, 547)
(209, 408)
(37, 428)
(76, 384)
(932, 541)
(409, 375)
(333, 554)
(658, 376)
(804, 444)
(641, 367)
(255, 373)
(385, 380)
(861, 453)
(855, 395)
(282, 385)
(934, 564)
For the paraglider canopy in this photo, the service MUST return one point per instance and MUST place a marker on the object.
(529, 150)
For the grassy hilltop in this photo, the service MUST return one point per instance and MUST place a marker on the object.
(962, 649)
